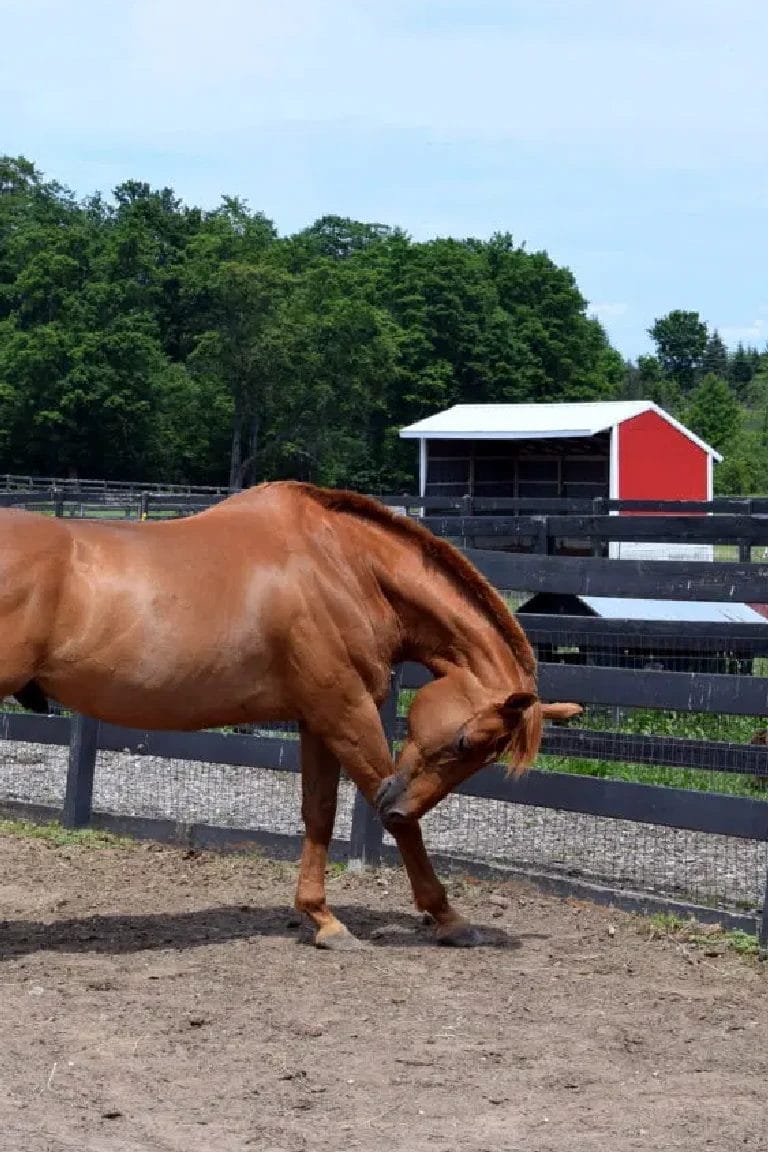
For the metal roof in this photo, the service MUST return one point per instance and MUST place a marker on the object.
(684, 611)
(537, 421)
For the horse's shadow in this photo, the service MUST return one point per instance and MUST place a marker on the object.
(116, 934)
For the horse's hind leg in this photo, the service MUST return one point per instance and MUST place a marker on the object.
(319, 786)
(428, 893)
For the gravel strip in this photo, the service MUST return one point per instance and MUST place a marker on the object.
(690, 865)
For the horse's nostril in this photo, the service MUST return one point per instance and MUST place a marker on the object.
(394, 817)
(388, 793)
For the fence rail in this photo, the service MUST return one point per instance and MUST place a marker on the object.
(598, 683)
(546, 526)
(75, 488)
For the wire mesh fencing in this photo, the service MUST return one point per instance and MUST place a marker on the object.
(693, 867)
(697, 867)
(717, 751)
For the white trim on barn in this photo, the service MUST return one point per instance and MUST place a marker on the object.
(422, 466)
(613, 469)
(538, 421)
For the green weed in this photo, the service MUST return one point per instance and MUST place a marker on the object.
(705, 936)
(56, 834)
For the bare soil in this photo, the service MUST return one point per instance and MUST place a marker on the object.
(153, 1000)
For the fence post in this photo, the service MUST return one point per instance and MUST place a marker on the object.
(367, 833)
(83, 739)
(543, 543)
(762, 936)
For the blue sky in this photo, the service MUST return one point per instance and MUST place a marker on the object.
(625, 137)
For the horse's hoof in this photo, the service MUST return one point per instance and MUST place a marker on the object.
(338, 941)
(461, 935)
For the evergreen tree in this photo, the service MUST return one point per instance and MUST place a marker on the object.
(741, 369)
(715, 358)
(713, 413)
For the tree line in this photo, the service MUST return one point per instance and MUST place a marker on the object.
(143, 338)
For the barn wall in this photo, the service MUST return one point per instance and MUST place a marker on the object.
(656, 462)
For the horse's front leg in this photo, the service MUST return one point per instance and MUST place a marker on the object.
(319, 792)
(428, 893)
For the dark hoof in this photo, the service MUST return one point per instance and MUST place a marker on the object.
(459, 936)
(339, 941)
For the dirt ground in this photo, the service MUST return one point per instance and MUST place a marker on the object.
(152, 1000)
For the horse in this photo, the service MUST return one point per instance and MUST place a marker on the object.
(284, 602)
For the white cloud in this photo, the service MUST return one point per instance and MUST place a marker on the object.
(608, 311)
(754, 334)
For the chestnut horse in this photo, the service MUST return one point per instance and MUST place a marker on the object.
(283, 602)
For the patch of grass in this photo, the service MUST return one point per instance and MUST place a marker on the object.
(693, 725)
(692, 779)
(705, 936)
(56, 834)
(697, 725)
(336, 868)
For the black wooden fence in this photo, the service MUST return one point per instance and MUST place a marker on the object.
(591, 685)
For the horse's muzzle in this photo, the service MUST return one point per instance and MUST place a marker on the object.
(386, 800)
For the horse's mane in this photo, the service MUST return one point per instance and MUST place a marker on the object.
(470, 583)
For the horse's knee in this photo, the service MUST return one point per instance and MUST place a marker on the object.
(318, 816)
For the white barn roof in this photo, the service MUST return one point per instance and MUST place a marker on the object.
(537, 421)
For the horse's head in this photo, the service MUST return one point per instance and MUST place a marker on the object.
(456, 727)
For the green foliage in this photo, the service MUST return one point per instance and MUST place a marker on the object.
(140, 337)
(713, 413)
(693, 725)
(681, 340)
(712, 938)
(715, 358)
(143, 338)
(61, 837)
(742, 366)
(720, 395)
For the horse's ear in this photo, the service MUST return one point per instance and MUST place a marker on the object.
(513, 707)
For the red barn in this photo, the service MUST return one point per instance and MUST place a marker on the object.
(622, 449)
(625, 449)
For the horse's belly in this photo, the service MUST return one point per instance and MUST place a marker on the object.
(205, 706)
(171, 691)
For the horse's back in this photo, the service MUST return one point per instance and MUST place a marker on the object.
(32, 547)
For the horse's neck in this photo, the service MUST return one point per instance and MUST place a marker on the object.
(438, 626)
